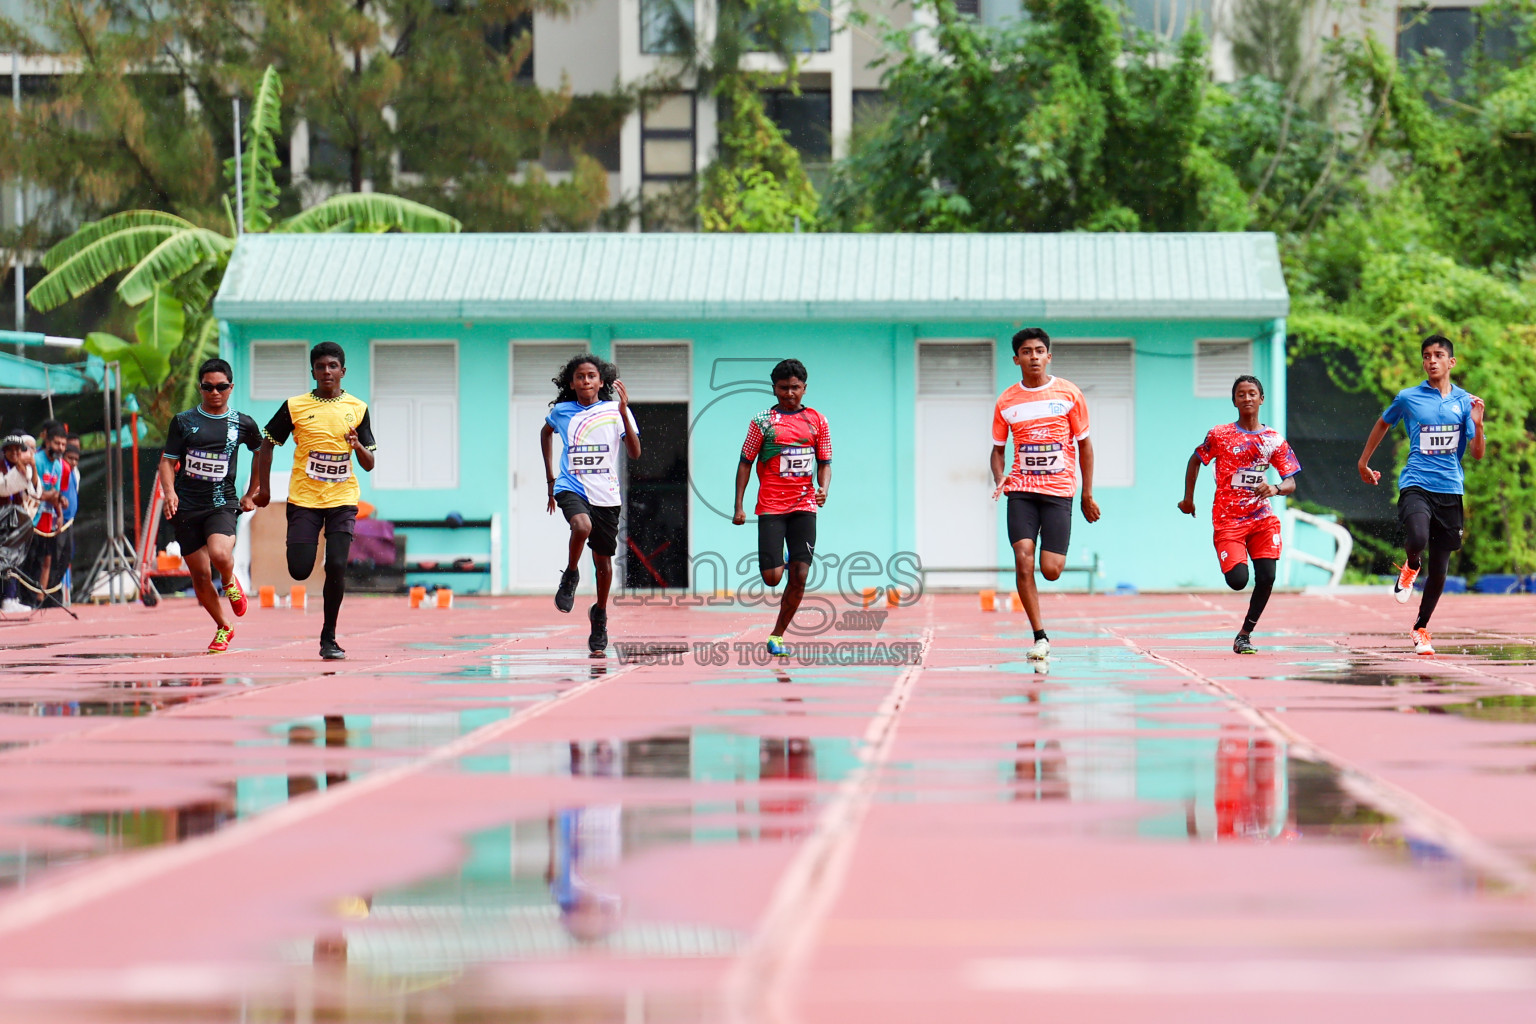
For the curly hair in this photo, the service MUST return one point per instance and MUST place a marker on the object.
(562, 380)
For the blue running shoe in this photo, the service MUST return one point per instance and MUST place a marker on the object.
(777, 647)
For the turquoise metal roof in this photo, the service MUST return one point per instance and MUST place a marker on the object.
(590, 277)
(19, 375)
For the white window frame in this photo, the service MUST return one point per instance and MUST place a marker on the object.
(273, 396)
(1225, 390)
(450, 435)
(1095, 425)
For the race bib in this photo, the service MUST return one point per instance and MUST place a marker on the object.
(590, 458)
(797, 461)
(1248, 479)
(328, 467)
(1041, 459)
(1439, 439)
(209, 466)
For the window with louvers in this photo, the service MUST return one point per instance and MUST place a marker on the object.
(655, 372)
(950, 368)
(1105, 372)
(415, 414)
(1218, 363)
(278, 370)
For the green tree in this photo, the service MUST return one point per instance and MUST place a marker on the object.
(166, 258)
(1055, 122)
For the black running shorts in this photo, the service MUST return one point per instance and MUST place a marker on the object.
(1443, 511)
(194, 527)
(305, 524)
(794, 530)
(604, 538)
(1042, 518)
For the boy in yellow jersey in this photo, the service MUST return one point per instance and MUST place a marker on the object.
(329, 427)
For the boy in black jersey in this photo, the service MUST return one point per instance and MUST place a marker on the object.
(197, 476)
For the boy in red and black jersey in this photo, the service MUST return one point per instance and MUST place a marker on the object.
(791, 445)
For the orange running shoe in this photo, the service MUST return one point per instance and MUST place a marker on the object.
(1402, 590)
(236, 597)
(1421, 642)
(221, 639)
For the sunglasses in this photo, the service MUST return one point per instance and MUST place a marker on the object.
(214, 387)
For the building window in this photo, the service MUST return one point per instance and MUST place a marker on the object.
(1218, 363)
(1462, 35)
(819, 28)
(414, 410)
(1168, 19)
(667, 159)
(955, 369)
(805, 119)
(1105, 371)
(666, 26)
(279, 370)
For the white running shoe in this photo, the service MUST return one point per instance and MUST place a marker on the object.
(1421, 642)
(14, 607)
(1040, 651)
(1402, 590)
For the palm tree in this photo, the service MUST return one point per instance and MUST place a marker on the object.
(162, 254)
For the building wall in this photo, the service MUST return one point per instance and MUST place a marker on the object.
(862, 378)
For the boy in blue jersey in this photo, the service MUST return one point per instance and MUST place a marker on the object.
(1439, 417)
(590, 424)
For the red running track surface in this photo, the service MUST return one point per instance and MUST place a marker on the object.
(471, 819)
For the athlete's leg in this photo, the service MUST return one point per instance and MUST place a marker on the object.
(771, 533)
(1024, 580)
(1263, 584)
(202, 585)
(337, 547)
(1415, 517)
(604, 566)
(1237, 576)
(301, 559)
(794, 590)
(221, 555)
(1052, 564)
(581, 529)
(1055, 534)
(1439, 564)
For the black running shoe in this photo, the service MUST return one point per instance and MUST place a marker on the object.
(565, 597)
(330, 650)
(1243, 645)
(598, 639)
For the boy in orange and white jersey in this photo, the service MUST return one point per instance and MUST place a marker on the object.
(1046, 420)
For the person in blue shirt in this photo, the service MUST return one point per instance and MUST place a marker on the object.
(591, 425)
(1442, 422)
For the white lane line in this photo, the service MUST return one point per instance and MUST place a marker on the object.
(1445, 973)
(764, 979)
(45, 901)
(1414, 813)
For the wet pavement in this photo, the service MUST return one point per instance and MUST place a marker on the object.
(470, 819)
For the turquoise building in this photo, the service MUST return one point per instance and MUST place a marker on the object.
(453, 340)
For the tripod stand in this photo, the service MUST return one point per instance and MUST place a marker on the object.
(116, 558)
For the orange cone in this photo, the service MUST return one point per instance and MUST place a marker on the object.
(989, 600)
(444, 597)
(418, 595)
(267, 597)
(297, 597)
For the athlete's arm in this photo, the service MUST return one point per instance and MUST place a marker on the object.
(999, 469)
(277, 431)
(823, 481)
(549, 473)
(1191, 474)
(743, 473)
(1378, 432)
(631, 436)
(1269, 490)
(1085, 461)
(362, 442)
(1479, 442)
(254, 443)
(168, 485)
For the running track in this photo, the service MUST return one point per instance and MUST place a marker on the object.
(1154, 829)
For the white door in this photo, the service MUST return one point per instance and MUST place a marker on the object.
(956, 520)
(538, 541)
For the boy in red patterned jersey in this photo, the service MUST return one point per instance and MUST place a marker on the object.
(788, 442)
(1046, 419)
(1246, 526)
